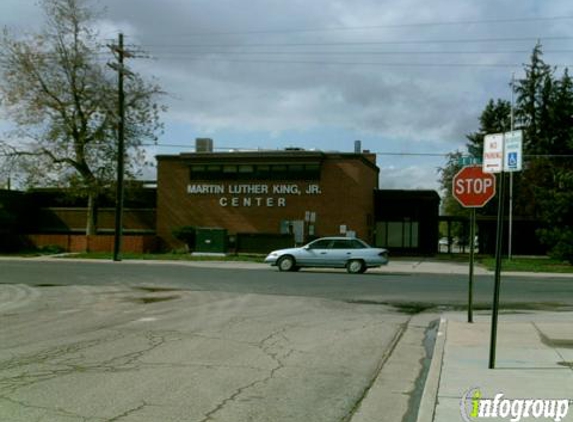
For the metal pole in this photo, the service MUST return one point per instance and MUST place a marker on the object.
(472, 249)
(120, 157)
(510, 217)
(512, 124)
(449, 237)
(497, 282)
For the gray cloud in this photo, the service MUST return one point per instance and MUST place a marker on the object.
(435, 100)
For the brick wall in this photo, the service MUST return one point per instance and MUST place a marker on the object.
(346, 184)
(65, 219)
(100, 243)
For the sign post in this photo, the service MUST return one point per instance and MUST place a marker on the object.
(497, 278)
(472, 188)
(513, 159)
(502, 153)
(472, 258)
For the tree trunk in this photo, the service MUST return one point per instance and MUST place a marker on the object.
(91, 228)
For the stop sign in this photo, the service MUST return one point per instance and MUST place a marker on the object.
(472, 187)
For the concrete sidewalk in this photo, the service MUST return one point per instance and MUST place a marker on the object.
(534, 360)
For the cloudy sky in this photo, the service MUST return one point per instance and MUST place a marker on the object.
(408, 78)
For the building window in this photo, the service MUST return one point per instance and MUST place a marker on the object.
(279, 172)
(398, 234)
(263, 171)
(312, 171)
(296, 171)
(246, 169)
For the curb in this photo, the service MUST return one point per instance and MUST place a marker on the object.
(429, 399)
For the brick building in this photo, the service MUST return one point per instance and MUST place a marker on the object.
(301, 193)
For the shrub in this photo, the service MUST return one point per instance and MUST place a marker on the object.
(51, 249)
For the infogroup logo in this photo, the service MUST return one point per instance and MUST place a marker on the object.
(475, 406)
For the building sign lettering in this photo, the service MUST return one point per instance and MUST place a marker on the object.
(252, 195)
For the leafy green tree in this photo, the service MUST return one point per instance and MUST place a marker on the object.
(450, 205)
(544, 111)
(533, 102)
(495, 118)
(551, 174)
(557, 214)
(544, 108)
(61, 98)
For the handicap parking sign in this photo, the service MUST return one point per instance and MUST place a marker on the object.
(513, 156)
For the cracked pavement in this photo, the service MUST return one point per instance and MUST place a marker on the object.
(121, 353)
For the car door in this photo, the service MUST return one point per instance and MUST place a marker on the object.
(315, 253)
(340, 252)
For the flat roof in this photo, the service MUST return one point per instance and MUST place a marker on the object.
(266, 155)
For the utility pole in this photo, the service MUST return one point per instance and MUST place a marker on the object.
(121, 54)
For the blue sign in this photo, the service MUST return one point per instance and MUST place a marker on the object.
(513, 155)
(512, 160)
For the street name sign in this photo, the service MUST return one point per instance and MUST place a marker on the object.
(468, 160)
(473, 188)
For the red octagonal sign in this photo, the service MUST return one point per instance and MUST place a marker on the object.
(472, 187)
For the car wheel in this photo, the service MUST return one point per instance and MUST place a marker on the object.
(286, 263)
(355, 266)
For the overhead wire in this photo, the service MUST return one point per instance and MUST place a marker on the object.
(382, 26)
(380, 153)
(359, 63)
(369, 42)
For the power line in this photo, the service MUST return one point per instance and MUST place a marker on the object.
(381, 153)
(384, 42)
(195, 54)
(384, 26)
(342, 63)
(265, 150)
(206, 58)
(162, 53)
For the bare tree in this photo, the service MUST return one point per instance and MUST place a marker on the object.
(61, 97)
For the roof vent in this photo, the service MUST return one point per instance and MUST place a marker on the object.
(203, 145)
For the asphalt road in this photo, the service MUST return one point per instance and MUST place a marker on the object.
(104, 343)
(432, 289)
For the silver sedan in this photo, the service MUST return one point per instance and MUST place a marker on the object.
(335, 252)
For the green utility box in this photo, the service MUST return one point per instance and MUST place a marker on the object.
(210, 240)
